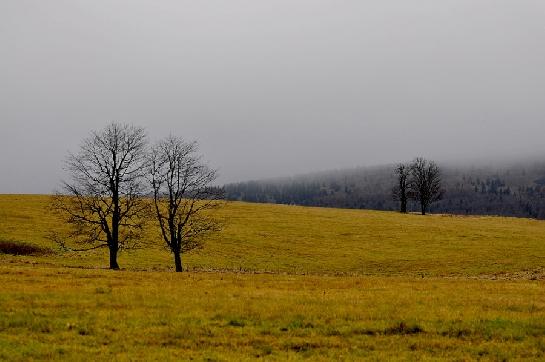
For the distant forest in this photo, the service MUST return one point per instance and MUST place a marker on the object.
(514, 190)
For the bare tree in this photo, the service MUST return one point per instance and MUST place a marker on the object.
(400, 192)
(102, 203)
(425, 183)
(183, 195)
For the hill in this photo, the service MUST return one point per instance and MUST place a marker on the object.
(306, 240)
(516, 189)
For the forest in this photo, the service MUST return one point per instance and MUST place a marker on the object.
(516, 189)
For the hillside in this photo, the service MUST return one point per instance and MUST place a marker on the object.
(305, 240)
(418, 288)
(516, 189)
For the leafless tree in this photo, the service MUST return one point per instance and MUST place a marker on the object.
(425, 183)
(183, 195)
(400, 192)
(102, 203)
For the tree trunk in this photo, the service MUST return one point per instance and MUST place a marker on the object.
(114, 242)
(113, 259)
(178, 261)
(423, 209)
(403, 206)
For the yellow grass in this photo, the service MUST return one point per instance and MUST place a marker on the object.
(277, 238)
(381, 286)
(99, 315)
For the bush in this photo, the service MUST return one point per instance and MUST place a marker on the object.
(403, 329)
(22, 248)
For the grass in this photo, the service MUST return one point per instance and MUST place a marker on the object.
(59, 313)
(376, 285)
(290, 239)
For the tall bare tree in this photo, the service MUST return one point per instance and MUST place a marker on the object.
(400, 191)
(425, 183)
(183, 195)
(102, 203)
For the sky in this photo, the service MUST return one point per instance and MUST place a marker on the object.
(272, 88)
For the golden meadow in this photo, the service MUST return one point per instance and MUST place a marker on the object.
(281, 283)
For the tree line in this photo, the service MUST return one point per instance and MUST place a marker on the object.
(516, 189)
(119, 184)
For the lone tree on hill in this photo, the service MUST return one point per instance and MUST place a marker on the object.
(102, 203)
(425, 183)
(400, 192)
(183, 195)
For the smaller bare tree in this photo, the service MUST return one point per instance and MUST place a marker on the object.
(400, 192)
(183, 195)
(425, 183)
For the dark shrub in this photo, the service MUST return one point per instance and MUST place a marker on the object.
(22, 248)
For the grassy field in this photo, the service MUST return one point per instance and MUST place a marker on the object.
(277, 238)
(376, 285)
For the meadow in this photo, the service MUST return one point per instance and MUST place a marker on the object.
(281, 283)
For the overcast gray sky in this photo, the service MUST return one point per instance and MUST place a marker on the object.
(272, 88)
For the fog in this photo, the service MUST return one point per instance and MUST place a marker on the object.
(272, 88)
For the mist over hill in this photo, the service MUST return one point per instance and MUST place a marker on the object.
(514, 189)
